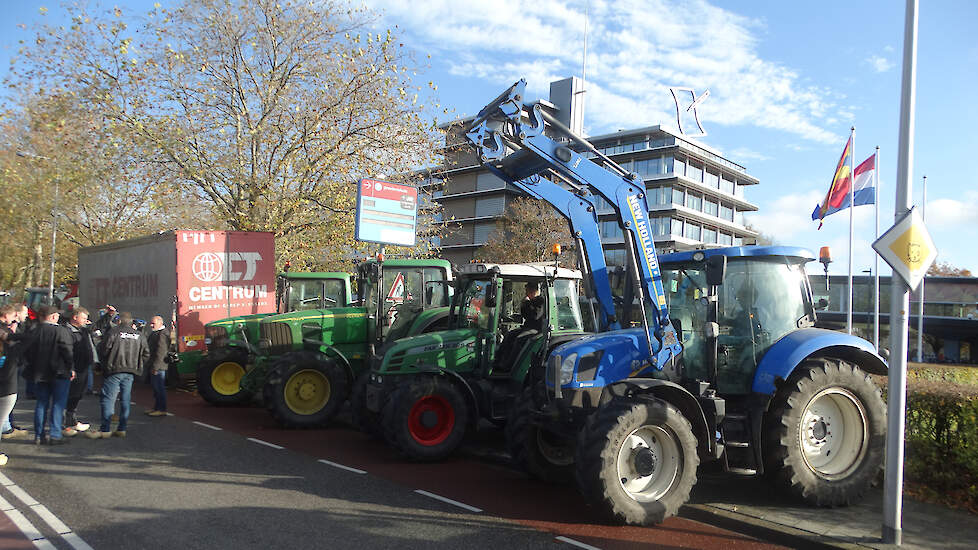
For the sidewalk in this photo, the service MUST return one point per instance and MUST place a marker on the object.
(752, 507)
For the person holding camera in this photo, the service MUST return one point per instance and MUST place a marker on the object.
(159, 343)
(124, 353)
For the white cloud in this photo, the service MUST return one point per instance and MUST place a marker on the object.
(748, 154)
(633, 58)
(945, 213)
(787, 216)
(879, 64)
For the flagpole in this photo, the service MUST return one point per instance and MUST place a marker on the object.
(920, 291)
(876, 256)
(852, 207)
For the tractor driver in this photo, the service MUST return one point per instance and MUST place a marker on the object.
(533, 311)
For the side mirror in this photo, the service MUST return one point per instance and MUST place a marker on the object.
(822, 304)
(716, 269)
(491, 295)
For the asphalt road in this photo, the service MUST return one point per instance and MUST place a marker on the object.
(196, 480)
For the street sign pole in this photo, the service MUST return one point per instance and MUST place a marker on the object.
(900, 296)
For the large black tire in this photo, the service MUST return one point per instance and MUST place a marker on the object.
(541, 453)
(426, 418)
(636, 460)
(363, 418)
(219, 377)
(305, 389)
(825, 434)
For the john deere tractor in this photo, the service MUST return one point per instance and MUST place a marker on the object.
(232, 342)
(314, 359)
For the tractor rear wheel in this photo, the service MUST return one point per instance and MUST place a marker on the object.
(426, 418)
(826, 433)
(363, 418)
(219, 377)
(305, 389)
(543, 454)
(636, 460)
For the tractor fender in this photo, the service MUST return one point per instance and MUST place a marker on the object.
(788, 352)
(671, 393)
(461, 382)
(328, 351)
(428, 321)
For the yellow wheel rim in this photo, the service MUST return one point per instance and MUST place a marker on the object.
(307, 392)
(226, 378)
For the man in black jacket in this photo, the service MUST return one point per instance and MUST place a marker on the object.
(125, 351)
(159, 344)
(50, 365)
(83, 351)
(533, 310)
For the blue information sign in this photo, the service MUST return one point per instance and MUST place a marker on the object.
(387, 213)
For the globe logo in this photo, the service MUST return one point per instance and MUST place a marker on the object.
(207, 266)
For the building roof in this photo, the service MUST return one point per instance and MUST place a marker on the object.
(535, 270)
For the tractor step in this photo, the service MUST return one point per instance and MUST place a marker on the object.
(742, 471)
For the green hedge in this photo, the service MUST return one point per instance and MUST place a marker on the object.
(942, 438)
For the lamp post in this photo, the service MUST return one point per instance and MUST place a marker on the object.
(869, 273)
(920, 291)
(54, 223)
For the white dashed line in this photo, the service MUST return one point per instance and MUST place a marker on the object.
(24, 525)
(208, 426)
(342, 467)
(44, 544)
(267, 444)
(21, 495)
(4, 505)
(448, 501)
(51, 519)
(76, 542)
(5, 481)
(578, 544)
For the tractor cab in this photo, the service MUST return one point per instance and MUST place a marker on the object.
(764, 296)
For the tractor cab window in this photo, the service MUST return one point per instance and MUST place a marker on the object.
(305, 294)
(473, 312)
(568, 302)
(437, 292)
(684, 286)
(760, 301)
(334, 293)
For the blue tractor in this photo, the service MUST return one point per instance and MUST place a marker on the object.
(721, 360)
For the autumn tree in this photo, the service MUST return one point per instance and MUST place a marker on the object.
(945, 269)
(526, 232)
(267, 111)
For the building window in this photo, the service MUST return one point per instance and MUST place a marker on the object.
(712, 179)
(660, 226)
(738, 241)
(614, 257)
(692, 231)
(739, 190)
(665, 194)
(727, 185)
(694, 201)
(490, 206)
(726, 212)
(481, 232)
(652, 198)
(610, 230)
(665, 166)
(710, 207)
(679, 166)
(739, 217)
(709, 235)
(678, 196)
(677, 226)
(694, 171)
(486, 180)
(725, 239)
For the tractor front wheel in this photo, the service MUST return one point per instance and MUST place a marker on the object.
(636, 460)
(826, 433)
(219, 377)
(363, 418)
(305, 389)
(426, 418)
(544, 454)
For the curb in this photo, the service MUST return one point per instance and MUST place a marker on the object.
(763, 529)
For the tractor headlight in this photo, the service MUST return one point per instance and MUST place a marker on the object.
(567, 369)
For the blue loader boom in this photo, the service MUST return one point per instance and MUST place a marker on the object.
(726, 364)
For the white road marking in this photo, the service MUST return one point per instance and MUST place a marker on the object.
(51, 519)
(448, 501)
(4, 480)
(208, 426)
(24, 525)
(21, 495)
(578, 544)
(267, 444)
(169, 414)
(4, 505)
(44, 544)
(342, 467)
(76, 542)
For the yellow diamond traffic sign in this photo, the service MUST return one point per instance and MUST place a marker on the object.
(908, 248)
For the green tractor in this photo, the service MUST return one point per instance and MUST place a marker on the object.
(426, 391)
(232, 342)
(314, 360)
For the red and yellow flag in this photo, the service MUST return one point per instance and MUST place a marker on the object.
(841, 182)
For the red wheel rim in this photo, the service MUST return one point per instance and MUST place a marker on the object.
(431, 420)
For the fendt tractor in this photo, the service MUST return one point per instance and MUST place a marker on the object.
(737, 374)
(314, 359)
(425, 416)
(232, 343)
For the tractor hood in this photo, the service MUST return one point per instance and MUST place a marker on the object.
(599, 359)
(448, 349)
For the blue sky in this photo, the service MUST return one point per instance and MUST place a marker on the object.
(787, 80)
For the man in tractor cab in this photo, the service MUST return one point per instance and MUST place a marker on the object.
(533, 311)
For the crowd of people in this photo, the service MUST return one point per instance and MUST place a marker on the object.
(57, 358)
